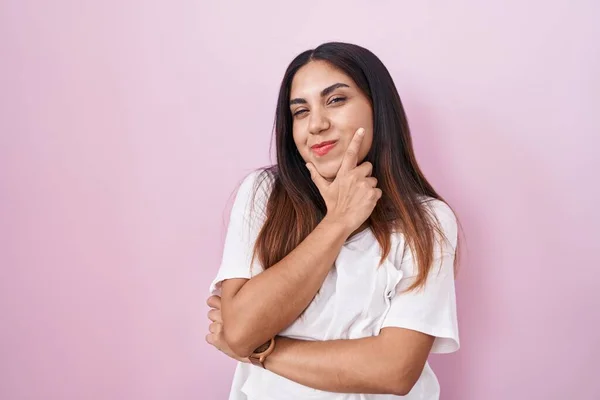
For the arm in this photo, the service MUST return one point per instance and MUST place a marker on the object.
(390, 363)
(255, 310)
(418, 323)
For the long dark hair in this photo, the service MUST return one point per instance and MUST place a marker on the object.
(295, 206)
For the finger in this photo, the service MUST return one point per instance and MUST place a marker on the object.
(215, 327)
(214, 302)
(319, 181)
(378, 193)
(210, 339)
(351, 156)
(365, 169)
(372, 181)
(215, 315)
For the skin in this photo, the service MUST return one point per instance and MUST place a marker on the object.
(327, 105)
(336, 115)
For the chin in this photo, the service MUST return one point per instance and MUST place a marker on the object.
(328, 171)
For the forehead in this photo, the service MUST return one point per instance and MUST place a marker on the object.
(316, 76)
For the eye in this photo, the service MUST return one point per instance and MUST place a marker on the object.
(337, 99)
(300, 112)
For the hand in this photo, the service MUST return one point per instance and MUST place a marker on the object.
(215, 336)
(353, 194)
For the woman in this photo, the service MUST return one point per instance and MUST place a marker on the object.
(337, 279)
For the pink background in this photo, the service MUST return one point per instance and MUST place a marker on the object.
(125, 126)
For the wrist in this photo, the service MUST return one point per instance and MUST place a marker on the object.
(282, 343)
(337, 226)
(259, 356)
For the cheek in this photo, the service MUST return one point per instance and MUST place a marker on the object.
(359, 108)
(300, 142)
(297, 137)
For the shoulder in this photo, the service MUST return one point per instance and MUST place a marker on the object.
(257, 181)
(440, 209)
(254, 190)
(443, 216)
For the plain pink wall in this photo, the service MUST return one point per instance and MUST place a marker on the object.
(125, 126)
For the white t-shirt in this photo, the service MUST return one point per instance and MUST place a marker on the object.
(357, 298)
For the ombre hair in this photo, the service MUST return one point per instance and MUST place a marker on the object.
(295, 206)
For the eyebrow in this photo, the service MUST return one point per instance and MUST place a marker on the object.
(324, 93)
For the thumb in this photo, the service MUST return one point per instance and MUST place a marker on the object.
(319, 181)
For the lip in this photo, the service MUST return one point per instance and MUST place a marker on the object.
(324, 147)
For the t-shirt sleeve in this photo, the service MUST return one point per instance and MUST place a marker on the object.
(247, 216)
(431, 309)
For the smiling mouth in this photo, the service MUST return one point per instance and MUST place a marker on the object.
(323, 148)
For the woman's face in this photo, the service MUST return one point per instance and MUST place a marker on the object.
(328, 107)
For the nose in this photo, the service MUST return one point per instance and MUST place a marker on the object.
(318, 122)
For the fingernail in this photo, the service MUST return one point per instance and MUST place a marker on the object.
(361, 132)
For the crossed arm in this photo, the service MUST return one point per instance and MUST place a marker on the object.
(389, 363)
(251, 311)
